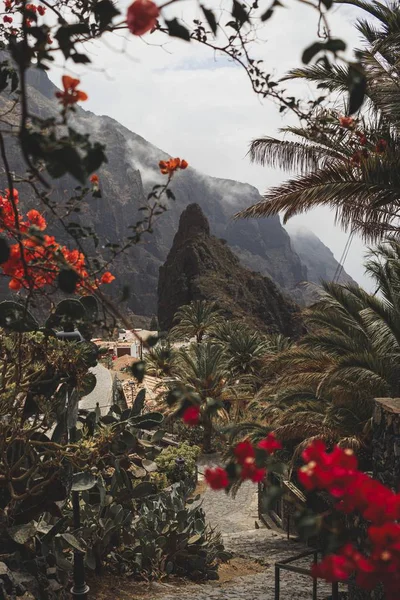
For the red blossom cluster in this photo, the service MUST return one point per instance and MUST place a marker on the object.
(71, 95)
(245, 454)
(191, 416)
(36, 259)
(142, 16)
(167, 167)
(337, 473)
(379, 147)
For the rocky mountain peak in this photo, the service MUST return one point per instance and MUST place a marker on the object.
(192, 223)
(200, 266)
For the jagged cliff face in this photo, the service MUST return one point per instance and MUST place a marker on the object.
(318, 258)
(132, 170)
(200, 266)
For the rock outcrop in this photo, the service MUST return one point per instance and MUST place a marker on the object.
(200, 266)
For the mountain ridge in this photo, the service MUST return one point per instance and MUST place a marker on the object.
(262, 245)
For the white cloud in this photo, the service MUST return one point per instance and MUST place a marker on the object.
(188, 102)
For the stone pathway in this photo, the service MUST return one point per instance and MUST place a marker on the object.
(236, 519)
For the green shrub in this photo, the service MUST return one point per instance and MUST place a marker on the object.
(169, 535)
(166, 462)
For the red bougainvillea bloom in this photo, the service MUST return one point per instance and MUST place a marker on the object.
(71, 95)
(270, 444)
(142, 16)
(107, 277)
(35, 218)
(363, 139)
(216, 478)
(251, 471)
(347, 122)
(41, 10)
(191, 416)
(8, 4)
(243, 451)
(381, 146)
(167, 167)
(7, 19)
(94, 179)
(333, 568)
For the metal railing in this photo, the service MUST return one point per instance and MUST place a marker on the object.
(285, 565)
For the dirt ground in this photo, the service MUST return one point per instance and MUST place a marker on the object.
(116, 587)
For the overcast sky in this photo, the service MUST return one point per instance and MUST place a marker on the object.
(192, 104)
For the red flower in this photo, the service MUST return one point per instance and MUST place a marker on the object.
(251, 471)
(363, 139)
(333, 567)
(71, 95)
(107, 277)
(41, 10)
(142, 16)
(94, 179)
(8, 4)
(36, 219)
(270, 444)
(243, 451)
(216, 478)
(347, 122)
(191, 416)
(167, 167)
(381, 146)
(7, 19)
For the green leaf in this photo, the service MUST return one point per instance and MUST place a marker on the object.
(267, 15)
(104, 13)
(16, 317)
(175, 29)
(72, 541)
(144, 489)
(138, 370)
(239, 13)
(4, 251)
(90, 559)
(335, 45)
(67, 280)
(311, 51)
(327, 3)
(22, 533)
(83, 481)
(138, 403)
(357, 88)
(91, 307)
(80, 58)
(195, 538)
(149, 465)
(210, 18)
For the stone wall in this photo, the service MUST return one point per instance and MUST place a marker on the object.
(386, 442)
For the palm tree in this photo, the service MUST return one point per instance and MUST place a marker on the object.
(324, 385)
(160, 360)
(203, 369)
(358, 179)
(197, 319)
(246, 350)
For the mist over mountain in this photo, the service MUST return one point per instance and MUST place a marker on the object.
(262, 245)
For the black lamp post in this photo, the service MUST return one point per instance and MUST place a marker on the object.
(79, 589)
